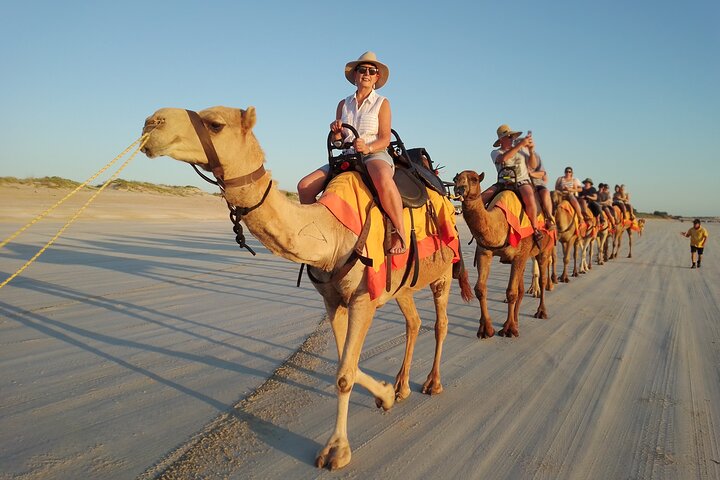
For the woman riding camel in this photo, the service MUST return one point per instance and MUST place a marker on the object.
(520, 157)
(569, 186)
(370, 114)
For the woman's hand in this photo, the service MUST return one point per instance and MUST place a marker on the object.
(336, 128)
(361, 146)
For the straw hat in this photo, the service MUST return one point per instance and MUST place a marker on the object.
(505, 131)
(367, 57)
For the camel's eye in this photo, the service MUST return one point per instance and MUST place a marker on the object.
(215, 127)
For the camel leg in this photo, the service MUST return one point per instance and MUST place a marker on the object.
(629, 232)
(441, 295)
(600, 243)
(542, 259)
(483, 259)
(338, 316)
(566, 260)
(550, 277)
(412, 327)
(514, 293)
(583, 250)
(336, 453)
(591, 241)
(575, 259)
(534, 289)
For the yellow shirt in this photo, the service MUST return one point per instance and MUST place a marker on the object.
(697, 236)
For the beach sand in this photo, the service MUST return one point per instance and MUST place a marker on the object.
(145, 343)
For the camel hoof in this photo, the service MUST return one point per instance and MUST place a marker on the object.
(335, 455)
(483, 333)
(509, 333)
(387, 402)
(432, 387)
(541, 314)
(402, 391)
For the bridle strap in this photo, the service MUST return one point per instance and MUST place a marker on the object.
(208, 147)
(213, 160)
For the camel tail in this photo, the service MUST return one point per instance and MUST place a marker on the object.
(466, 290)
(459, 272)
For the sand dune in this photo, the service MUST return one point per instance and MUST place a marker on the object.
(145, 344)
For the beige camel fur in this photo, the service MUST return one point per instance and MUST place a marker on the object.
(490, 230)
(565, 223)
(603, 235)
(311, 234)
(617, 234)
(534, 289)
(585, 244)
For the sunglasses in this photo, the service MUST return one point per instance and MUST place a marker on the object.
(568, 171)
(368, 70)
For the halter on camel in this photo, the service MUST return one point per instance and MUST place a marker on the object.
(214, 166)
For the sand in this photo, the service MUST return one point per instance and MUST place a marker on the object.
(146, 344)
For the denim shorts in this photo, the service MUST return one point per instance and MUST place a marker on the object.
(383, 156)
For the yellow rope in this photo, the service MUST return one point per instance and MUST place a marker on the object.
(36, 219)
(142, 139)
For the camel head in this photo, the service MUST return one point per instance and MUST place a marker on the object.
(556, 198)
(467, 184)
(230, 129)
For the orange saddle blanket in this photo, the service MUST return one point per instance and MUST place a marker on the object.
(348, 198)
(520, 226)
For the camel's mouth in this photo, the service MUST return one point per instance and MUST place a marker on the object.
(148, 152)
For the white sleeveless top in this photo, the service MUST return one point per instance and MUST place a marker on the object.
(365, 119)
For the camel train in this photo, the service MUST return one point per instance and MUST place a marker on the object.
(221, 140)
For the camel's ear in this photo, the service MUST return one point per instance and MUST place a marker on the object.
(481, 177)
(248, 119)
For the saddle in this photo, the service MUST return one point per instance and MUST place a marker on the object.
(414, 173)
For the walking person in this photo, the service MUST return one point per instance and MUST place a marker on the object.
(697, 235)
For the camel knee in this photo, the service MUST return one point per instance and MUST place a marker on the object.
(345, 382)
(479, 292)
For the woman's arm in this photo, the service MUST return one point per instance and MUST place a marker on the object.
(384, 122)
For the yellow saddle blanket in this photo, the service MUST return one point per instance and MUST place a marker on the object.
(520, 226)
(348, 198)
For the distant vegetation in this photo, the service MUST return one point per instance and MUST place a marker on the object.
(119, 184)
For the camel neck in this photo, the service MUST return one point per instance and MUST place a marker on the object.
(490, 228)
(299, 233)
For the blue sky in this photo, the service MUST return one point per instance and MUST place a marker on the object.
(623, 91)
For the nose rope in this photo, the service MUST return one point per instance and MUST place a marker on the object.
(77, 189)
(143, 140)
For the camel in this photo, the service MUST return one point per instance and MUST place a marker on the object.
(308, 234)
(534, 288)
(603, 234)
(585, 244)
(491, 232)
(565, 221)
(620, 227)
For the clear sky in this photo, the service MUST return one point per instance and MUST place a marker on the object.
(623, 91)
